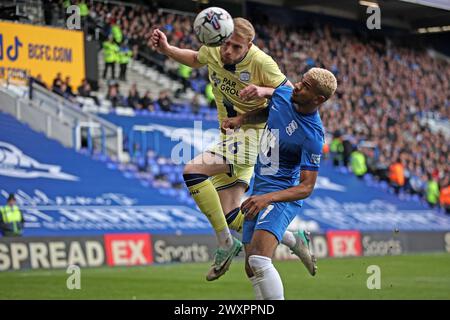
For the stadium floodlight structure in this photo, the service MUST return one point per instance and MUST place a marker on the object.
(23, 10)
(368, 4)
(439, 4)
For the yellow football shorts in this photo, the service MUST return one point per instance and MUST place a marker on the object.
(240, 150)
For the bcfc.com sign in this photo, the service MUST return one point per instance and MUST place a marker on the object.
(32, 50)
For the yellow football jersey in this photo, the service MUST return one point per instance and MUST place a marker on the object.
(256, 68)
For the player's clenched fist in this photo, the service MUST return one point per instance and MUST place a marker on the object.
(232, 123)
(252, 92)
(254, 204)
(159, 41)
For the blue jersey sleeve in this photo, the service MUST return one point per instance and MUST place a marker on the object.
(278, 96)
(311, 153)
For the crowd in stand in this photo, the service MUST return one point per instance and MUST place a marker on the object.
(376, 116)
(384, 92)
(64, 88)
(134, 26)
(137, 101)
(375, 122)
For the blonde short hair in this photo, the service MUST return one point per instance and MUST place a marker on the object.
(244, 29)
(326, 82)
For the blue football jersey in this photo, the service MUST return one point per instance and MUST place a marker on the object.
(291, 142)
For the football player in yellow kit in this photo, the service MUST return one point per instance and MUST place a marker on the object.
(243, 77)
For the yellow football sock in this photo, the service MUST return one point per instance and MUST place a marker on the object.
(207, 199)
(235, 220)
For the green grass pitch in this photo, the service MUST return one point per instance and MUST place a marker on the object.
(402, 277)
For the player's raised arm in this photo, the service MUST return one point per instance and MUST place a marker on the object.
(254, 116)
(300, 192)
(256, 203)
(184, 56)
(253, 91)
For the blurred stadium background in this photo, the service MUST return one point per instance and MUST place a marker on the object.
(89, 156)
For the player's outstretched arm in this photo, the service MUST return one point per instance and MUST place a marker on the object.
(255, 204)
(299, 192)
(254, 116)
(184, 56)
(253, 91)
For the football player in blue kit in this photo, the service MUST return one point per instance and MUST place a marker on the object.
(285, 172)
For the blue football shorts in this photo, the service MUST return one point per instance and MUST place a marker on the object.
(274, 219)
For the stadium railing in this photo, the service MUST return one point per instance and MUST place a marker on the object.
(63, 120)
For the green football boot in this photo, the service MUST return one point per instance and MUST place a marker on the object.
(303, 251)
(223, 259)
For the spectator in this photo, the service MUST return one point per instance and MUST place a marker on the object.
(382, 169)
(84, 13)
(124, 58)
(358, 163)
(195, 104)
(66, 4)
(184, 73)
(432, 191)
(396, 175)
(337, 149)
(147, 102)
(39, 81)
(68, 90)
(110, 54)
(57, 81)
(171, 68)
(133, 99)
(48, 11)
(326, 150)
(114, 95)
(164, 101)
(12, 222)
(210, 96)
(60, 90)
(444, 198)
(84, 90)
(417, 185)
(371, 162)
(347, 146)
(116, 32)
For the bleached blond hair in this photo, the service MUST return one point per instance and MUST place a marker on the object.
(326, 82)
(244, 29)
